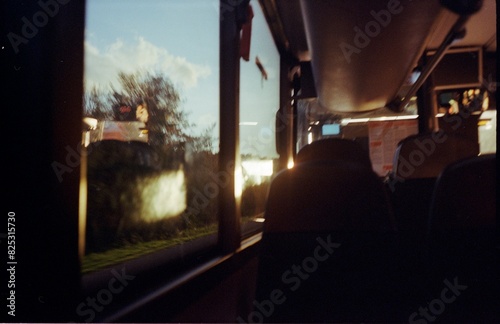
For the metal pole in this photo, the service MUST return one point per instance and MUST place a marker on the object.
(456, 32)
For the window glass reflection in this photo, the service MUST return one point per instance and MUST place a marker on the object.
(259, 101)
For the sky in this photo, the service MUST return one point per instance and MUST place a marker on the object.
(180, 38)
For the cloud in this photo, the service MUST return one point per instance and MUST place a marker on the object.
(102, 67)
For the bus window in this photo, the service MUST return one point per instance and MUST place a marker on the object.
(151, 107)
(259, 101)
(471, 113)
(377, 132)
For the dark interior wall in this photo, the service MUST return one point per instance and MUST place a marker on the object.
(41, 70)
(221, 294)
(226, 302)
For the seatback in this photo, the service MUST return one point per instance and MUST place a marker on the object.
(418, 161)
(333, 149)
(463, 237)
(326, 246)
(465, 195)
(426, 155)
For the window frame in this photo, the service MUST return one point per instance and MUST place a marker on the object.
(202, 255)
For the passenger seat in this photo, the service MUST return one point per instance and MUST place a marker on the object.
(418, 161)
(327, 250)
(464, 240)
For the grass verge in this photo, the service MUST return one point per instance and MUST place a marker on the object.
(97, 261)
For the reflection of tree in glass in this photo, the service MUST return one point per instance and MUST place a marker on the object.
(167, 123)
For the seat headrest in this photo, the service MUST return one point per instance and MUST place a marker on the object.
(426, 155)
(327, 195)
(334, 149)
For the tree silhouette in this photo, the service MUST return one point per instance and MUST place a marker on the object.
(95, 105)
(168, 125)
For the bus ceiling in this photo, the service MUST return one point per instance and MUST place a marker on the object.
(362, 53)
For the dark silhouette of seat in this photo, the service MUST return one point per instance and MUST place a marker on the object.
(465, 195)
(426, 155)
(418, 161)
(327, 246)
(333, 149)
(463, 238)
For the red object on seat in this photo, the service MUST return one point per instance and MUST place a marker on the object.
(246, 36)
